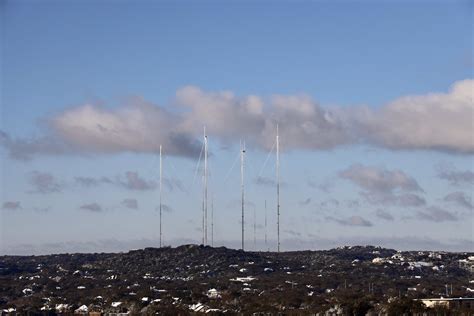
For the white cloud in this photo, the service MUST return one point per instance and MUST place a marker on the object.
(438, 121)
(433, 121)
(138, 126)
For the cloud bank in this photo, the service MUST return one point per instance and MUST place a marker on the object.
(434, 121)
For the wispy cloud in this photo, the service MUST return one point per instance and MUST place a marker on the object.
(130, 203)
(455, 177)
(130, 180)
(385, 187)
(461, 199)
(11, 205)
(436, 214)
(44, 182)
(166, 208)
(292, 232)
(133, 181)
(351, 221)
(91, 181)
(305, 202)
(93, 207)
(264, 181)
(376, 179)
(384, 215)
(390, 199)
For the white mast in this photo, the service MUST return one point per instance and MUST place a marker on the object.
(242, 154)
(205, 190)
(212, 220)
(255, 228)
(278, 186)
(161, 181)
(266, 246)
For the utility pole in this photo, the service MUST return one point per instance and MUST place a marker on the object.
(161, 181)
(242, 157)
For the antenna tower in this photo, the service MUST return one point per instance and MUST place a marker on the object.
(212, 221)
(242, 157)
(278, 186)
(266, 245)
(205, 186)
(161, 181)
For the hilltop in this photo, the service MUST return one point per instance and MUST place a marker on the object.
(193, 278)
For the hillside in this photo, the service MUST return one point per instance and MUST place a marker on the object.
(200, 278)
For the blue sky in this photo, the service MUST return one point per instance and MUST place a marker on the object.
(371, 96)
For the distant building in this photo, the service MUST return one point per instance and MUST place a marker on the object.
(451, 303)
(467, 264)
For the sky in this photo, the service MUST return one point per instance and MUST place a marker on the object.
(373, 100)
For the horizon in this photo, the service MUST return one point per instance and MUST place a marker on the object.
(373, 100)
(342, 247)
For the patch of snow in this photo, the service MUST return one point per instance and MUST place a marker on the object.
(213, 293)
(27, 291)
(82, 309)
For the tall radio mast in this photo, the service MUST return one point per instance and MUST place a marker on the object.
(278, 186)
(204, 202)
(242, 156)
(212, 220)
(266, 245)
(161, 181)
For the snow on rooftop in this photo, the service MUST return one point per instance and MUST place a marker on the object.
(196, 307)
(243, 279)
